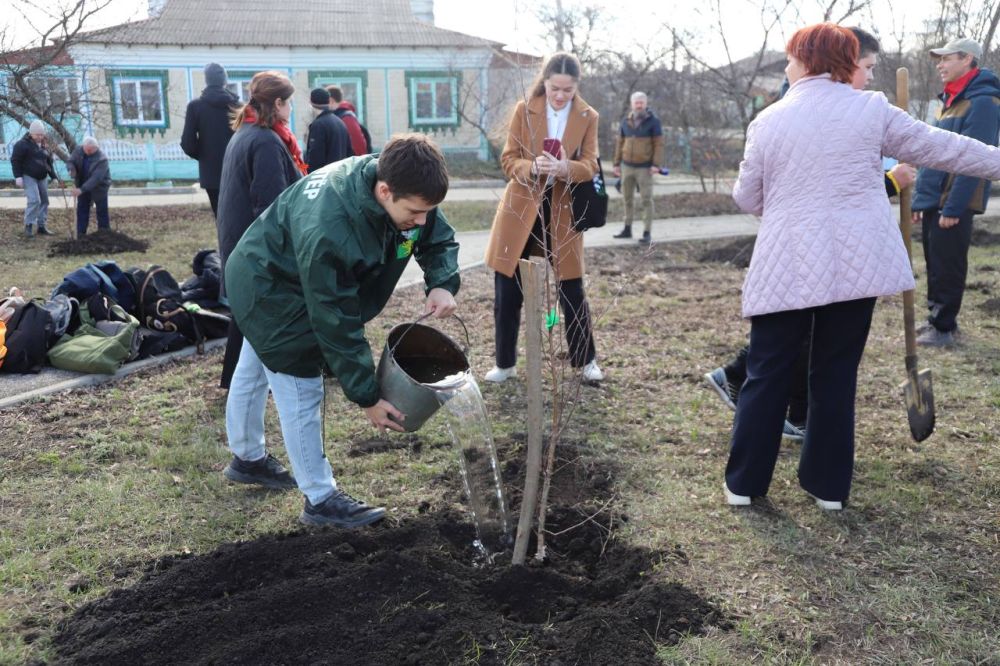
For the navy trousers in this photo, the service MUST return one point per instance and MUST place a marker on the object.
(946, 253)
(83, 203)
(826, 462)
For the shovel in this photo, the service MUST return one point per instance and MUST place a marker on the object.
(917, 389)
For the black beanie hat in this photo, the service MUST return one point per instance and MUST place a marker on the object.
(215, 74)
(319, 97)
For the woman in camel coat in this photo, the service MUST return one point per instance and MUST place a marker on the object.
(535, 215)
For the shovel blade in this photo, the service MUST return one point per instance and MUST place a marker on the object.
(918, 392)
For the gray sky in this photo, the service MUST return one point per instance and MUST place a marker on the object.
(513, 21)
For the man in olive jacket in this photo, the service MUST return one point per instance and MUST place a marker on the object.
(321, 261)
(638, 155)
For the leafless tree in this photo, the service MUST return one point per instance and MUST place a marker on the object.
(28, 91)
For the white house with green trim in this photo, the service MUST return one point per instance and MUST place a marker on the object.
(132, 82)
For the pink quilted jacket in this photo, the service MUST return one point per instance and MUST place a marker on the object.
(812, 170)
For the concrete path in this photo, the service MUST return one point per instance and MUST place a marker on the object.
(15, 389)
(461, 190)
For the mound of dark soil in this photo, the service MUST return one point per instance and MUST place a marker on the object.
(103, 241)
(736, 252)
(400, 594)
(696, 204)
(407, 593)
(984, 238)
(991, 305)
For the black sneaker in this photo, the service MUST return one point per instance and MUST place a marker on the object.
(341, 510)
(267, 472)
(728, 391)
(42, 231)
(624, 233)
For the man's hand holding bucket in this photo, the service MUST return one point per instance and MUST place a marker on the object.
(441, 302)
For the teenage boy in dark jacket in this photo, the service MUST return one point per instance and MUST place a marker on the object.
(306, 276)
(90, 171)
(207, 130)
(32, 164)
(328, 140)
(945, 203)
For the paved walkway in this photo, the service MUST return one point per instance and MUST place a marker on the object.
(464, 190)
(15, 389)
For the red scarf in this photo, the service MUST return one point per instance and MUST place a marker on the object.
(953, 88)
(284, 133)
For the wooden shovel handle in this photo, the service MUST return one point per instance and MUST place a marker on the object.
(905, 228)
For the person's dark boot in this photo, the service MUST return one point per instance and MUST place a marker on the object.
(28, 232)
(626, 232)
(267, 472)
(340, 510)
(43, 231)
(646, 239)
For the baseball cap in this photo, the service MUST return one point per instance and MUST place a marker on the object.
(963, 44)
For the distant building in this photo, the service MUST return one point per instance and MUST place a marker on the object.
(130, 84)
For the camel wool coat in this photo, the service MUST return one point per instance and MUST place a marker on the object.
(522, 198)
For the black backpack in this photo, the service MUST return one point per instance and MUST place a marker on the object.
(159, 305)
(29, 332)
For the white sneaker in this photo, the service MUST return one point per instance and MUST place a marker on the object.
(592, 373)
(827, 505)
(500, 375)
(733, 499)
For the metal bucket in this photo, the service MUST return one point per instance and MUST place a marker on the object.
(418, 363)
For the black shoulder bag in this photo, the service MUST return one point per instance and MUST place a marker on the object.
(590, 202)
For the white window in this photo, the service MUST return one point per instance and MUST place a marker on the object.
(433, 101)
(240, 88)
(139, 102)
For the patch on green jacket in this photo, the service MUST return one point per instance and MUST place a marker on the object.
(405, 249)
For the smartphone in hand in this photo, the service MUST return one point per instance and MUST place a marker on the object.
(552, 147)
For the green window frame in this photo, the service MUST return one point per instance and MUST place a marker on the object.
(353, 83)
(139, 100)
(433, 100)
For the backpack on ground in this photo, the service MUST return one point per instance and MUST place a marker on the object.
(106, 338)
(101, 277)
(203, 287)
(26, 339)
(160, 306)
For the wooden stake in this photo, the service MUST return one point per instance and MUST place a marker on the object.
(532, 276)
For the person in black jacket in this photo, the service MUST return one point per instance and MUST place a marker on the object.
(261, 160)
(207, 131)
(328, 140)
(31, 161)
(90, 171)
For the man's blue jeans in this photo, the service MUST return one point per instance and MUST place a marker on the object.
(299, 401)
(37, 193)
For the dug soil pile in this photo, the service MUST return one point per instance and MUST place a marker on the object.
(406, 593)
(101, 242)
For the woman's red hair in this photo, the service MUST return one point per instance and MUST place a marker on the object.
(826, 48)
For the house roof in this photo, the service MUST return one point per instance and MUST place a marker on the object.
(50, 55)
(311, 23)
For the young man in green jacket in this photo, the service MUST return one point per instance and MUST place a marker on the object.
(321, 261)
